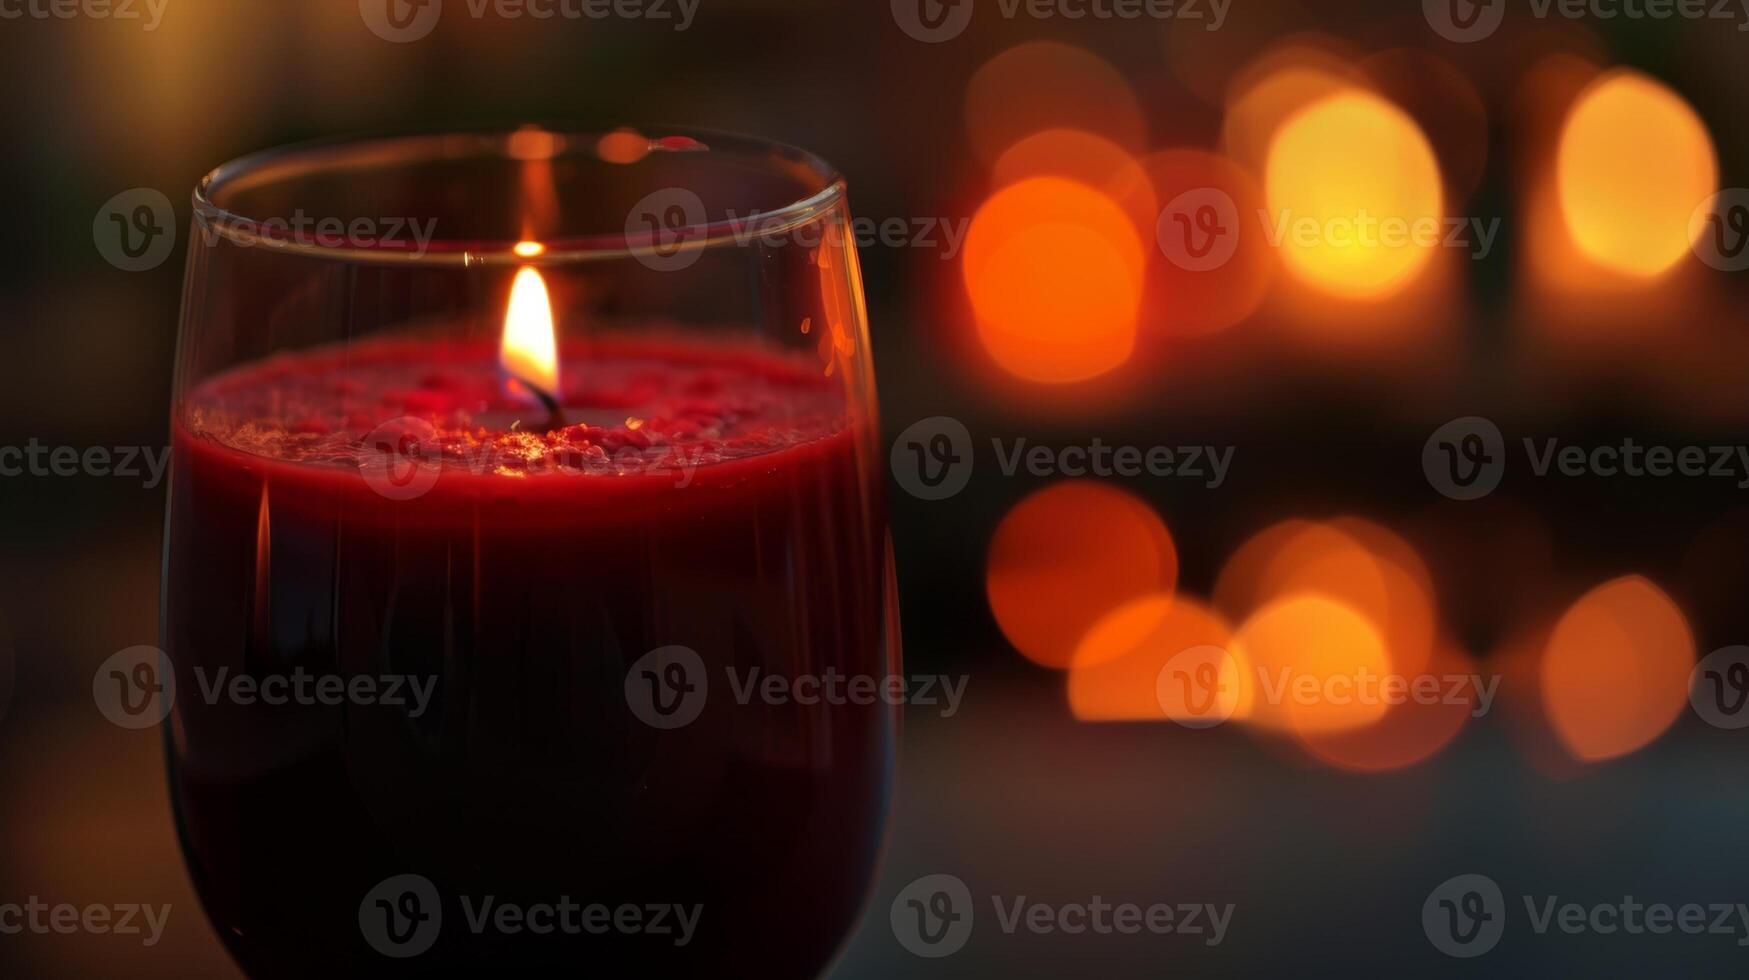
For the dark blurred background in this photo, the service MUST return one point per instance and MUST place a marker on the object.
(1328, 868)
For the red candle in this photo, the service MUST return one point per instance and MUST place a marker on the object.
(402, 508)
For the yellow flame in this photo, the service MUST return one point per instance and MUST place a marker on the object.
(529, 352)
(529, 250)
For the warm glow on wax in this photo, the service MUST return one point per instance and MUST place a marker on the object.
(529, 352)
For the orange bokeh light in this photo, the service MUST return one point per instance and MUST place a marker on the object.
(1615, 673)
(1129, 666)
(1410, 732)
(1088, 159)
(623, 146)
(1045, 85)
(1270, 91)
(1066, 556)
(1634, 162)
(1054, 270)
(1355, 195)
(1308, 654)
(1368, 568)
(1186, 296)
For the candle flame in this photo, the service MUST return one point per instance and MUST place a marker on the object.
(529, 352)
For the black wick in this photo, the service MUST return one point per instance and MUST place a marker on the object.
(555, 414)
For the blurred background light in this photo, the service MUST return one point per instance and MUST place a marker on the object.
(1616, 670)
(1408, 733)
(1191, 298)
(1633, 164)
(1310, 641)
(1117, 670)
(1066, 556)
(1339, 163)
(1089, 159)
(1048, 85)
(1054, 272)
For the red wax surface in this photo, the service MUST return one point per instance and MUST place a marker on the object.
(630, 408)
(709, 496)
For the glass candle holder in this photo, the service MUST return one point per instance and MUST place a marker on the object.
(527, 589)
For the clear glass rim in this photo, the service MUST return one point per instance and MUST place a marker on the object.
(589, 246)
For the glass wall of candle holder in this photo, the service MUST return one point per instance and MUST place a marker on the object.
(527, 547)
